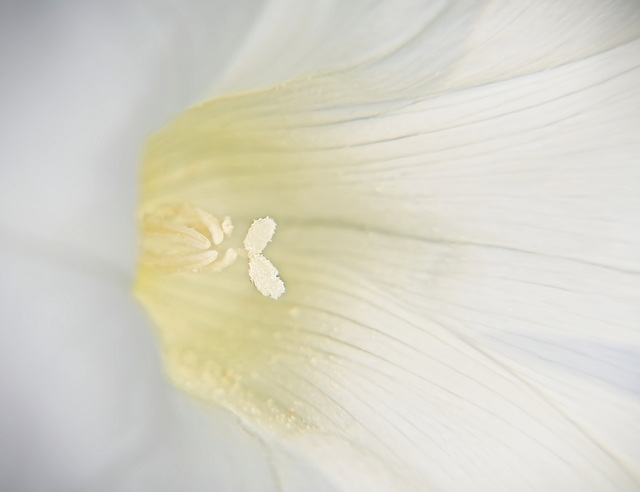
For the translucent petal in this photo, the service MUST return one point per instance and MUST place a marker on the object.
(431, 232)
(410, 44)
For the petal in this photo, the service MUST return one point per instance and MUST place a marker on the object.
(427, 239)
(408, 44)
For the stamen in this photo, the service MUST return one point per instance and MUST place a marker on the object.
(182, 263)
(229, 257)
(177, 233)
(227, 226)
(183, 225)
(213, 224)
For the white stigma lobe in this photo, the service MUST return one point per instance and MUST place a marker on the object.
(259, 235)
(261, 271)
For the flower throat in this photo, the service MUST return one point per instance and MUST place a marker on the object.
(184, 238)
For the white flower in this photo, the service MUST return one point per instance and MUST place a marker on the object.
(455, 187)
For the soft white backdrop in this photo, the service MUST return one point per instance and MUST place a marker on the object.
(553, 292)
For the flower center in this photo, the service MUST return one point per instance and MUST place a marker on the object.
(184, 238)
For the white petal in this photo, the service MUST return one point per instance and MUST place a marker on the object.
(410, 44)
(428, 238)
